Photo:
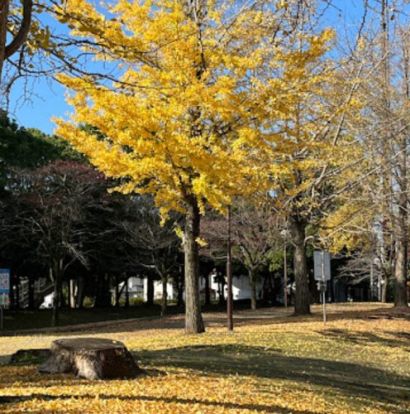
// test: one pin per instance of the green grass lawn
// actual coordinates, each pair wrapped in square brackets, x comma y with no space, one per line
[272,363]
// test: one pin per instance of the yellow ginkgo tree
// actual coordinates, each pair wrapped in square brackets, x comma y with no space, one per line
[192,116]
[176,122]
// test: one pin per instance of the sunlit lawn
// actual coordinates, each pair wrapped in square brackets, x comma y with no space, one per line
[272,363]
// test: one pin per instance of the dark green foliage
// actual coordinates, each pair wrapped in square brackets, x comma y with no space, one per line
[29,148]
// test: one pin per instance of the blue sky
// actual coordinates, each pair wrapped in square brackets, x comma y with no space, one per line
[47,98]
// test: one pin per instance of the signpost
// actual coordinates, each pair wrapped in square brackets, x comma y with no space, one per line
[321,261]
[4,292]
[229,299]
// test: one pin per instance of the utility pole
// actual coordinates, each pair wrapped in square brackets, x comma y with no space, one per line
[284,234]
[229,301]
[285,275]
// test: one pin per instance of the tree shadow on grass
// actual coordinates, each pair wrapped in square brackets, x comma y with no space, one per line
[399,339]
[274,409]
[352,380]
[370,385]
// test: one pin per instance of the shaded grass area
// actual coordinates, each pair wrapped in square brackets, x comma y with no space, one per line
[183,402]
[41,318]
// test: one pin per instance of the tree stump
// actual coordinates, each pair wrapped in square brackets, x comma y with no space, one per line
[91,358]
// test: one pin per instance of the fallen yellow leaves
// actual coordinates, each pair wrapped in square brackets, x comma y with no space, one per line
[266,366]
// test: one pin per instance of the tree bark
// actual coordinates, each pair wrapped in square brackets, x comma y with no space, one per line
[302,294]
[8,50]
[72,291]
[150,290]
[401,219]
[384,290]
[400,268]
[221,289]
[80,293]
[193,317]
[180,291]
[252,282]
[17,297]
[164,301]
[4,12]
[13,291]
[57,272]
[207,291]
[31,293]
[117,292]
[127,294]
[103,296]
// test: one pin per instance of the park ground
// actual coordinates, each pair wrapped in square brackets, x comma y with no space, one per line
[273,363]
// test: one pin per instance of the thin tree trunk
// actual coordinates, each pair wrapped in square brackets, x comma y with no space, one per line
[401,244]
[180,291]
[252,282]
[401,222]
[63,300]
[207,291]
[72,293]
[164,301]
[7,50]
[221,290]
[31,293]
[55,316]
[302,294]
[103,296]
[17,293]
[400,288]
[4,11]
[80,293]
[117,292]
[150,290]
[57,276]
[127,294]
[13,291]
[193,317]
[400,268]
[384,290]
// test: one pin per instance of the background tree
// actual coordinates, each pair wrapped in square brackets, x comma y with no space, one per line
[50,204]
[316,94]
[157,243]
[254,236]
[373,212]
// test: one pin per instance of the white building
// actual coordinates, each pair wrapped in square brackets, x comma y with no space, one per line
[241,288]
[138,288]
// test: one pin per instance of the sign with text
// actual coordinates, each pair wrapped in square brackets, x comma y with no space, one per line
[321,261]
[4,281]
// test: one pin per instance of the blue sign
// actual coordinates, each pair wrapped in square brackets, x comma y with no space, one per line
[4,281]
